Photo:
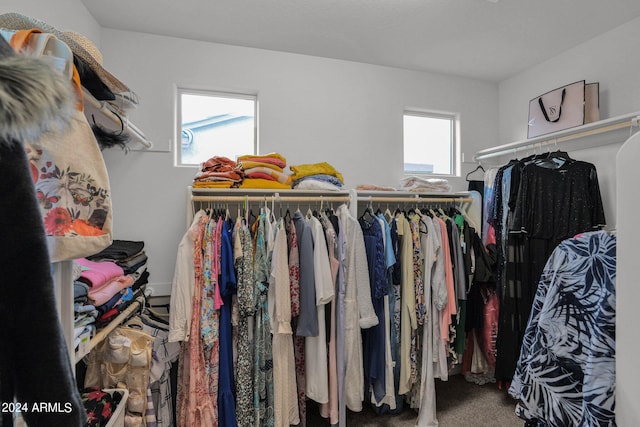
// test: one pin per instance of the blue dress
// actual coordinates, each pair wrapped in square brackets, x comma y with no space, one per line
[373,339]
[226,397]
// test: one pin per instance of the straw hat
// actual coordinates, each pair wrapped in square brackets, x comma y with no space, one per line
[81,46]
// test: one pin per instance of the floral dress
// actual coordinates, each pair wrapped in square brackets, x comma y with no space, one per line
[246,305]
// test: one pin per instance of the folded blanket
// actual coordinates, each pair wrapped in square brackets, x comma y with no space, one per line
[320,177]
[263,183]
[250,164]
[212,184]
[374,187]
[300,171]
[420,184]
[312,184]
[271,158]
[262,172]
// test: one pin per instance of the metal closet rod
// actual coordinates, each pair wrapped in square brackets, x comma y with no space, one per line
[417,199]
[271,198]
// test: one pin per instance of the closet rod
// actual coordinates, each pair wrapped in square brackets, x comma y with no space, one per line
[417,199]
[104,332]
[344,199]
[129,127]
[590,129]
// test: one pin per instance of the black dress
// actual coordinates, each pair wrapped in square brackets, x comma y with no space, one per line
[555,200]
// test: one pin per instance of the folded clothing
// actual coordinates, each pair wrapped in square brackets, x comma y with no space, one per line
[104,293]
[219,168]
[268,173]
[97,274]
[270,158]
[420,184]
[99,405]
[249,164]
[132,262]
[312,184]
[374,187]
[300,171]
[118,250]
[212,184]
[320,177]
[263,183]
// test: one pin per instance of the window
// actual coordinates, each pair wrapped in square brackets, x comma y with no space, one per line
[430,143]
[215,124]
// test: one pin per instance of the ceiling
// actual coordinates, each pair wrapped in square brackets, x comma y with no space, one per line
[484,39]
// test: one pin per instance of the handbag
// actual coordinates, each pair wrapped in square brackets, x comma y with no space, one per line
[68,170]
[569,106]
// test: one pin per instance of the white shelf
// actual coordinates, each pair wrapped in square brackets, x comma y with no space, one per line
[603,132]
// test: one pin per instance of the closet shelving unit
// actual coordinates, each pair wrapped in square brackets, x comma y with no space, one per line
[296,198]
[253,198]
[378,197]
[603,132]
[62,271]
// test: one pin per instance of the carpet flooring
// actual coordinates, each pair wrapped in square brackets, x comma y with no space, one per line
[458,404]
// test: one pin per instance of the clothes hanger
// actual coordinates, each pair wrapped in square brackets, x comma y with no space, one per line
[479,167]
[367,213]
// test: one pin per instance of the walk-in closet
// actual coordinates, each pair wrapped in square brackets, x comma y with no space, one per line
[318,213]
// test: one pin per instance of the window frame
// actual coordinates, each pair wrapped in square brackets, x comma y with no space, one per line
[455,140]
[212,93]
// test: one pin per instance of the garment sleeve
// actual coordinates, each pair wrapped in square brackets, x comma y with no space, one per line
[322,269]
[182,287]
[522,207]
[597,219]
[280,277]
[438,284]
[368,316]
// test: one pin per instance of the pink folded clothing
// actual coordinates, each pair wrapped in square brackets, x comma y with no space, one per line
[97,274]
[103,294]
[266,173]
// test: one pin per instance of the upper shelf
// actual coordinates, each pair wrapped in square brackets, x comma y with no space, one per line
[594,134]
[96,105]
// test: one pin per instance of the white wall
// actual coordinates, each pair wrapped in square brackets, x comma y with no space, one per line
[310,110]
[610,59]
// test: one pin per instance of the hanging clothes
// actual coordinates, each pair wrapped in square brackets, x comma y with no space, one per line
[298,341]
[330,410]
[247,301]
[263,358]
[427,395]
[228,286]
[358,308]
[566,371]
[373,339]
[557,197]
[408,322]
[195,405]
[316,362]
[284,374]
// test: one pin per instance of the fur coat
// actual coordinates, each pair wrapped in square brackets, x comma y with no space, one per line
[34,364]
